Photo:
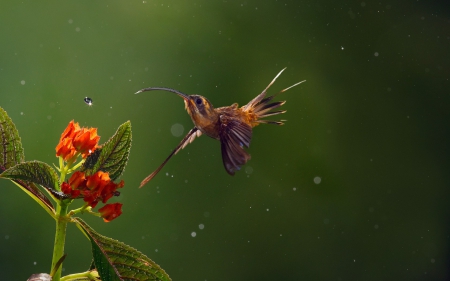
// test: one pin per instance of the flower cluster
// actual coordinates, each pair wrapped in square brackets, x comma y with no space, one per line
[94,188]
[75,141]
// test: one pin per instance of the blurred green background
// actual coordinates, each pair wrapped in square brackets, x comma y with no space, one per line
[353,187]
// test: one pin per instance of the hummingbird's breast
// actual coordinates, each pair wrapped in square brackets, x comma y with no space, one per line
[208,125]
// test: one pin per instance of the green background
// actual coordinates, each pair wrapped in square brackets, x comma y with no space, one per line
[372,122]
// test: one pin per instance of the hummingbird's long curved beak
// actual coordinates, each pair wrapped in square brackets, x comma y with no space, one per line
[184,96]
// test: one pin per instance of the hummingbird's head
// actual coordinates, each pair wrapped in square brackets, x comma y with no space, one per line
[197,106]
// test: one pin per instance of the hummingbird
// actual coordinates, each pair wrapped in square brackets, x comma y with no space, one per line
[231,125]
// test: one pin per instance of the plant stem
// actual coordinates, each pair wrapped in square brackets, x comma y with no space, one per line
[60,237]
[91,275]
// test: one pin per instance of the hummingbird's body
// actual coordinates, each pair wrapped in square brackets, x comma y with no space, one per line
[231,125]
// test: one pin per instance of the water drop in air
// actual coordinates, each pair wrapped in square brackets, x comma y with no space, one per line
[88,101]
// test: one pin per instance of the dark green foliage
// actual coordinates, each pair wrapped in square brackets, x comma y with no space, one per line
[112,157]
[11,150]
[34,171]
[115,260]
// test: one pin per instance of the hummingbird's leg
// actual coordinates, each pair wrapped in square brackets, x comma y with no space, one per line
[187,139]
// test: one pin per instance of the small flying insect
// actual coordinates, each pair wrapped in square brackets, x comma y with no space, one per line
[231,125]
[88,101]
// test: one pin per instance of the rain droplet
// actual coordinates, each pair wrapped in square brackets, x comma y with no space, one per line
[177,130]
[317,180]
[88,101]
[22,82]
[201,226]
[193,234]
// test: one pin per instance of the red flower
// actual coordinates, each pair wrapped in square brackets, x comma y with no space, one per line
[65,187]
[86,141]
[76,140]
[66,150]
[93,189]
[78,180]
[111,211]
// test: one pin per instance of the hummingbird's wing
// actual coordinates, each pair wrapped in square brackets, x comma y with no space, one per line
[234,135]
[190,139]
[194,132]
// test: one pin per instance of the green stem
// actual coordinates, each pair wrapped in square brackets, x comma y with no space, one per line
[91,275]
[84,208]
[78,165]
[60,237]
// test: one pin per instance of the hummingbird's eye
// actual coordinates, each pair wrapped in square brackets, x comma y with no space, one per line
[198,101]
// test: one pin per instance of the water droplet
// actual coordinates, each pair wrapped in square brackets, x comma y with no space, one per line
[317,180]
[177,130]
[193,234]
[201,226]
[22,82]
[88,101]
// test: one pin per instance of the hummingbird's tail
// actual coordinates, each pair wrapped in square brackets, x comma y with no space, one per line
[261,107]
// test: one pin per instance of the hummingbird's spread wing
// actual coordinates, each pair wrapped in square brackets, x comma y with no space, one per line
[186,140]
[234,135]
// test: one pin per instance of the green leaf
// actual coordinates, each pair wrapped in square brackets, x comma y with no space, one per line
[34,171]
[115,260]
[11,151]
[112,157]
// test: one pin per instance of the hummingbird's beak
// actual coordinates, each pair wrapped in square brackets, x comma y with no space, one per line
[184,96]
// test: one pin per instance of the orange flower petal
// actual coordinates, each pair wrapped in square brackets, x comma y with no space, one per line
[86,141]
[70,131]
[78,180]
[66,150]
[111,211]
